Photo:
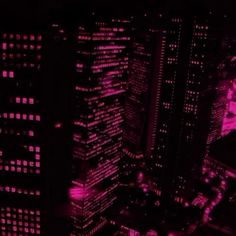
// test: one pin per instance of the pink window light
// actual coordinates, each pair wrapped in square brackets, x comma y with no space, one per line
[39,37]
[31,101]
[18,116]
[24,116]
[4,46]
[24,100]
[18,99]
[57,125]
[31,117]
[37,117]
[11,45]
[31,133]
[4,74]
[11,74]
[37,156]
[32,37]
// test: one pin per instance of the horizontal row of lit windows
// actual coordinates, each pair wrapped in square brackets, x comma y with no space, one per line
[177,20]
[18,190]
[24,100]
[25,170]
[20,116]
[9,74]
[12,131]
[26,163]
[25,65]
[114,29]
[30,37]
[103,38]
[201,27]
[18,221]
[110,47]
[22,56]
[18,46]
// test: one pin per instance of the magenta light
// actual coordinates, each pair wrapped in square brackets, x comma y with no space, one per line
[58,125]
[78,193]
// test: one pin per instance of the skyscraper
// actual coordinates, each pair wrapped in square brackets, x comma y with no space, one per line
[142,101]
[20,168]
[151,98]
[201,55]
[99,84]
[31,130]
[171,135]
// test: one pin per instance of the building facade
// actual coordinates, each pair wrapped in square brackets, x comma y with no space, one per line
[101,63]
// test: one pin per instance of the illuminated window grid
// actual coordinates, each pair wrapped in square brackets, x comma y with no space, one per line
[18,190]
[94,203]
[23,166]
[20,50]
[19,221]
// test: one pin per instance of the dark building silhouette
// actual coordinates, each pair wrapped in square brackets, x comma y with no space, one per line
[169,100]
[200,45]
[150,103]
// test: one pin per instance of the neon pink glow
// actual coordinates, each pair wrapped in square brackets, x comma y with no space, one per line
[58,125]
[229,121]
[32,37]
[78,193]
[4,46]
[4,74]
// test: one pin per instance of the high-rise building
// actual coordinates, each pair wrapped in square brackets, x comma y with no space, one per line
[99,84]
[142,101]
[20,166]
[169,101]
[32,129]
[161,162]
[150,102]
[222,113]
[228,69]
[201,57]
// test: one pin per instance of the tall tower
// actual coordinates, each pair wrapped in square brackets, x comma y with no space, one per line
[161,160]
[99,84]
[203,58]
[142,101]
[32,129]
[151,98]
[20,163]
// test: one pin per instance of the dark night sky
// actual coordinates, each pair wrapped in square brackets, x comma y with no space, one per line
[16,5]
[42,9]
